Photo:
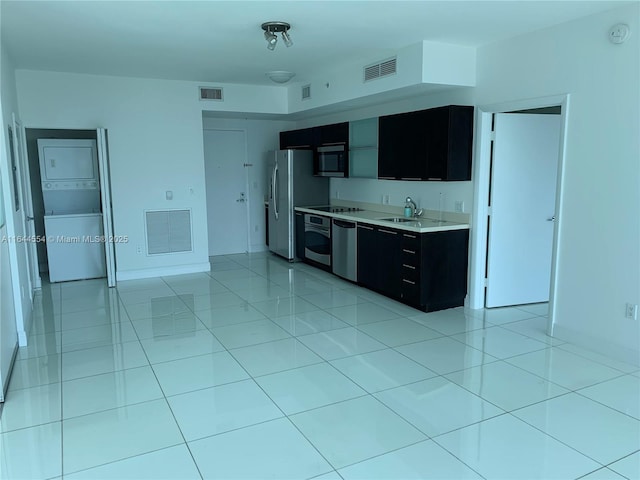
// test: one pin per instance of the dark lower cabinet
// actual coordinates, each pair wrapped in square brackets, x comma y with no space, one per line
[427,271]
[266,223]
[367,252]
[299,245]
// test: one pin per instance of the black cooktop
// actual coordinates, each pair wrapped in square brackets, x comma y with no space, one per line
[334,209]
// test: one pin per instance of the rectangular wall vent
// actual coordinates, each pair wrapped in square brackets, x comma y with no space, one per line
[168,231]
[211,93]
[381,69]
[306,92]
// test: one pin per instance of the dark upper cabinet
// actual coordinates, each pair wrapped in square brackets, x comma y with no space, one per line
[401,147]
[333,134]
[390,146]
[337,133]
[433,144]
[449,143]
[305,138]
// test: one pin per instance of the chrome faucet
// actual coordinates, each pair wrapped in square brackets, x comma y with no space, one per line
[416,212]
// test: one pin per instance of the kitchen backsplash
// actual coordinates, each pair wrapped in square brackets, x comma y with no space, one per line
[399,210]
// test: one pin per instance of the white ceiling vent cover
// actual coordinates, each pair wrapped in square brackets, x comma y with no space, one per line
[168,231]
[306,92]
[211,93]
[381,69]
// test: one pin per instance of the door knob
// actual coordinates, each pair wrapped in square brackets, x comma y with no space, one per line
[29,218]
[552,219]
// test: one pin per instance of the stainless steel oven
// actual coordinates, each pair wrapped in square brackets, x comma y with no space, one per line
[317,239]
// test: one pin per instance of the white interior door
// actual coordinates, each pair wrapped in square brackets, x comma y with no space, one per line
[523,208]
[226,182]
[20,274]
[20,142]
[105,198]
[8,324]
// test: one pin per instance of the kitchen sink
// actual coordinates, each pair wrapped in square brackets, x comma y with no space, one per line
[399,219]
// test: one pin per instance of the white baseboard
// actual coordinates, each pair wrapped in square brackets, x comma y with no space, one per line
[162,271]
[598,345]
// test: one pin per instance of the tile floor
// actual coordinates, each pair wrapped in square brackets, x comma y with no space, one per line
[261,369]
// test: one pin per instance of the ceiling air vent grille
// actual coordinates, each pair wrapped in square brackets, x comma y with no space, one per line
[306,92]
[381,69]
[168,231]
[211,93]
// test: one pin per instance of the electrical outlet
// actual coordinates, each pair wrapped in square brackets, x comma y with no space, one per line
[459,206]
[139,249]
[631,311]
[386,199]
[337,193]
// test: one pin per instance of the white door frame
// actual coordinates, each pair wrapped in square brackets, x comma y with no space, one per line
[105,197]
[481,175]
[105,193]
[35,281]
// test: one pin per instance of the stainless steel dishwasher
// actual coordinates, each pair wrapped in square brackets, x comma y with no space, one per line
[344,245]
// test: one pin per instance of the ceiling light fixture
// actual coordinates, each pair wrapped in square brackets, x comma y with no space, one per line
[270,30]
[280,76]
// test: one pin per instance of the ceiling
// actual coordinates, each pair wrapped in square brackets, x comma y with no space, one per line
[221,41]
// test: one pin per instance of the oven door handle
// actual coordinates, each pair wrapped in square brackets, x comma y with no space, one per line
[313,228]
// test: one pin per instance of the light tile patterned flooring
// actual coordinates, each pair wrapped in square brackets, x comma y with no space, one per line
[264,369]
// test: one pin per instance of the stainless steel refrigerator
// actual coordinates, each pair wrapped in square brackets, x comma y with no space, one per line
[291,184]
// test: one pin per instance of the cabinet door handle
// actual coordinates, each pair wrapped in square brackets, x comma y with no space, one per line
[387,178]
[365,227]
[434,178]
[387,231]
[412,252]
[408,281]
[411,178]
[409,266]
[408,236]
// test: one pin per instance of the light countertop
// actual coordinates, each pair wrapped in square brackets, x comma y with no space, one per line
[430,221]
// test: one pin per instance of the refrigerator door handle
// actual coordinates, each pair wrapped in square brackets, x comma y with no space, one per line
[274,190]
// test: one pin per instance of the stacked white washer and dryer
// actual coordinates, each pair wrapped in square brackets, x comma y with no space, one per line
[73,214]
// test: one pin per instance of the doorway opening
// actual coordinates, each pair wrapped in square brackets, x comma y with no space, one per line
[71,203]
[509,191]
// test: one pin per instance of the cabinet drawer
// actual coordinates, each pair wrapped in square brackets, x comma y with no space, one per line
[410,272]
[410,292]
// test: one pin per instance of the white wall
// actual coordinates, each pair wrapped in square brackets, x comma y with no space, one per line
[420,64]
[155,144]
[262,136]
[599,253]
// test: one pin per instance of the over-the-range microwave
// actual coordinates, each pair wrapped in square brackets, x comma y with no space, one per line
[331,160]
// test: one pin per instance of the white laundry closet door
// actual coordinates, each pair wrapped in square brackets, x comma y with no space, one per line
[523,208]
[226,182]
